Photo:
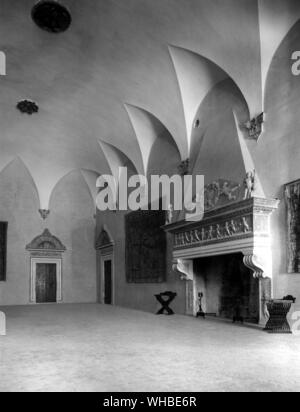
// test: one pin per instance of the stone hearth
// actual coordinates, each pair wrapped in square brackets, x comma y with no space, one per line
[227,286]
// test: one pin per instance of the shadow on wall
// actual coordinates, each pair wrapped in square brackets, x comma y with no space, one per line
[19,204]
[215,119]
[72,219]
[279,149]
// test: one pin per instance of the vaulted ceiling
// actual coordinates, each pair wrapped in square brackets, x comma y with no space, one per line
[126,73]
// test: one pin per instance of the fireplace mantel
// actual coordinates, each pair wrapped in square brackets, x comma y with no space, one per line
[242,226]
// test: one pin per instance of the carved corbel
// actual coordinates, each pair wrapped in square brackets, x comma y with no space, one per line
[252,262]
[184,267]
[44,213]
[184,168]
[255,126]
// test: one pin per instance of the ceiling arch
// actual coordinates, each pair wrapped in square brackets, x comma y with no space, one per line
[148,129]
[276,19]
[82,78]
[18,164]
[115,159]
[223,97]
[44,196]
[90,177]
[197,76]
[83,177]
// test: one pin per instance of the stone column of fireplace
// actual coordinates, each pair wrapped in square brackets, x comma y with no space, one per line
[242,226]
[185,269]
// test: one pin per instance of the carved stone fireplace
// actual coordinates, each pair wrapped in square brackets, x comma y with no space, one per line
[239,231]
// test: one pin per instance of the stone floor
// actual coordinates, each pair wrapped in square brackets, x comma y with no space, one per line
[102,348]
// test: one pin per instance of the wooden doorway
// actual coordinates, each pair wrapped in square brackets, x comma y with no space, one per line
[46,283]
[107,284]
[46,280]
[105,267]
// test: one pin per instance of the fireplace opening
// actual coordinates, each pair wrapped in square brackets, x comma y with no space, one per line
[229,289]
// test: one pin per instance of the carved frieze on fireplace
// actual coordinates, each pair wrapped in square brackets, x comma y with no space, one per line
[242,226]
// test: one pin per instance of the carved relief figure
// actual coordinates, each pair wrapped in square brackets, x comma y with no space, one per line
[220,192]
[197,235]
[246,227]
[249,183]
[188,237]
[229,192]
[210,233]
[227,229]
[212,192]
[218,231]
[170,213]
[233,227]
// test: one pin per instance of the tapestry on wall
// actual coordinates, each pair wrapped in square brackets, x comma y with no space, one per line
[3,239]
[145,247]
[292,198]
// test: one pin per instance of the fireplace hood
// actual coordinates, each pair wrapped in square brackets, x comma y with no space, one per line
[242,226]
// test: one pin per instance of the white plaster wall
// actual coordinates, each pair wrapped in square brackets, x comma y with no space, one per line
[19,207]
[71,220]
[278,154]
[139,296]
